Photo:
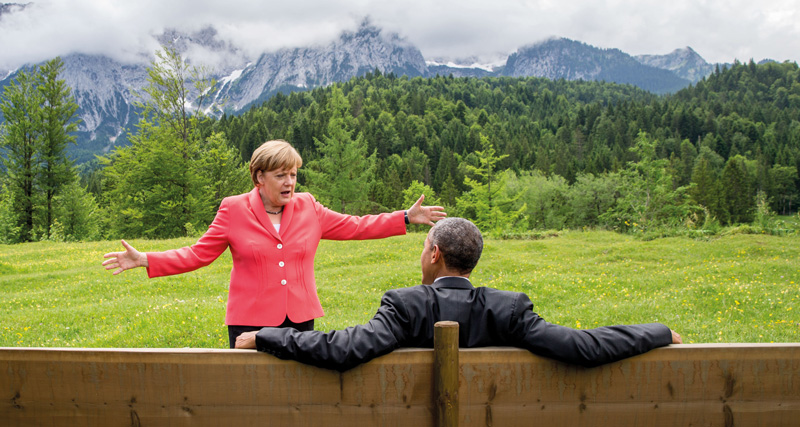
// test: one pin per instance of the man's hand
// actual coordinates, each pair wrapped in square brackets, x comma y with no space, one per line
[248,340]
[676,339]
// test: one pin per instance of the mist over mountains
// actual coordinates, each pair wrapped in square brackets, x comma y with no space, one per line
[105,88]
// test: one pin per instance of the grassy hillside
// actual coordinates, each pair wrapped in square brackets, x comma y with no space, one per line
[741,288]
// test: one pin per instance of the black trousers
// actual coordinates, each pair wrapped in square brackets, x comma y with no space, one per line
[236,330]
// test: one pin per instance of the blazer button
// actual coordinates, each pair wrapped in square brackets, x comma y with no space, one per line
[283,282]
[280,264]
[280,246]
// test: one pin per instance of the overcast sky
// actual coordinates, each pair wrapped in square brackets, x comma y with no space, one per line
[719,30]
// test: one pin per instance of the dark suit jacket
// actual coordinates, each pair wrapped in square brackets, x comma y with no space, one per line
[486,317]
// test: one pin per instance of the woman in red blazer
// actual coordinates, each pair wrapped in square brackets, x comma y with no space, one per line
[273,235]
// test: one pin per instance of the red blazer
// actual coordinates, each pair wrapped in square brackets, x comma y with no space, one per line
[273,273]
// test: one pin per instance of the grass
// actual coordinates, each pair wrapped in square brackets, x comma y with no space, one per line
[737,288]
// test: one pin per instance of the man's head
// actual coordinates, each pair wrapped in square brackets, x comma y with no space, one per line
[452,248]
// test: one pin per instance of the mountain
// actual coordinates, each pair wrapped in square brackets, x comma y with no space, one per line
[105,89]
[685,63]
[353,54]
[571,60]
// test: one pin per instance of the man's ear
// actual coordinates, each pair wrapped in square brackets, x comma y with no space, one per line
[436,254]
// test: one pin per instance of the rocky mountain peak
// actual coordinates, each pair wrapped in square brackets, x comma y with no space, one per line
[684,62]
[352,54]
[561,58]
[365,30]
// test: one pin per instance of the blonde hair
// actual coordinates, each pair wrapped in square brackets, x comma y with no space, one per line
[273,155]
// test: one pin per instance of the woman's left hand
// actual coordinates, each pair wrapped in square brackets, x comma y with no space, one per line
[419,214]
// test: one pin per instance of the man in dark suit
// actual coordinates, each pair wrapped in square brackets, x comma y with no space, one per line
[486,317]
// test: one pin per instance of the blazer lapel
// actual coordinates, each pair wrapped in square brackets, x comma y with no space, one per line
[258,208]
[288,214]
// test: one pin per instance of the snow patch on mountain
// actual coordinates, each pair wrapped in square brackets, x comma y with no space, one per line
[7,74]
[489,63]
[486,67]
[234,75]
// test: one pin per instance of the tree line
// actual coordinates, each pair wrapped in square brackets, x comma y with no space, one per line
[563,154]
[512,154]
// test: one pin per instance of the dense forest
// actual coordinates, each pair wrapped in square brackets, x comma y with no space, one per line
[745,119]
[512,154]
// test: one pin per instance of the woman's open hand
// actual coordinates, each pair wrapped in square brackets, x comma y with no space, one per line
[130,258]
[418,214]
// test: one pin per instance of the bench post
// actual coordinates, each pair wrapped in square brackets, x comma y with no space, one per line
[445,373]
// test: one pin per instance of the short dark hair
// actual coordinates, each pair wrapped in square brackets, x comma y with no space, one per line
[460,242]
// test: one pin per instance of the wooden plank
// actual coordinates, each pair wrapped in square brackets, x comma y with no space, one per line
[207,387]
[708,385]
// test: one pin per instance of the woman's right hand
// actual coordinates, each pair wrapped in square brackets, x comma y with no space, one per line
[122,261]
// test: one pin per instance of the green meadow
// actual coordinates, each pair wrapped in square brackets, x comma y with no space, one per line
[736,288]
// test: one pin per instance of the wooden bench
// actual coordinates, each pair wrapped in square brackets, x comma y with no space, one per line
[680,385]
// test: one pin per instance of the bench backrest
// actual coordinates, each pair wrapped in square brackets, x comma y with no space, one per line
[709,385]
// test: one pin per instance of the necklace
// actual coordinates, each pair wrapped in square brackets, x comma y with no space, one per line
[274,213]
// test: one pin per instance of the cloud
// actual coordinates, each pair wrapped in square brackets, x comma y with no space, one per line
[127,31]
[718,30]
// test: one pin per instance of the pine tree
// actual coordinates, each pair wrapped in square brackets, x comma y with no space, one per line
[21,107]
[705,191]
[738,201]
[687,160]
[76,214]
[9,228]
[57,123]
[449,192]
[388,188]
[647,198]
[221,169]
[345,172]
[487,202]
[784,193]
